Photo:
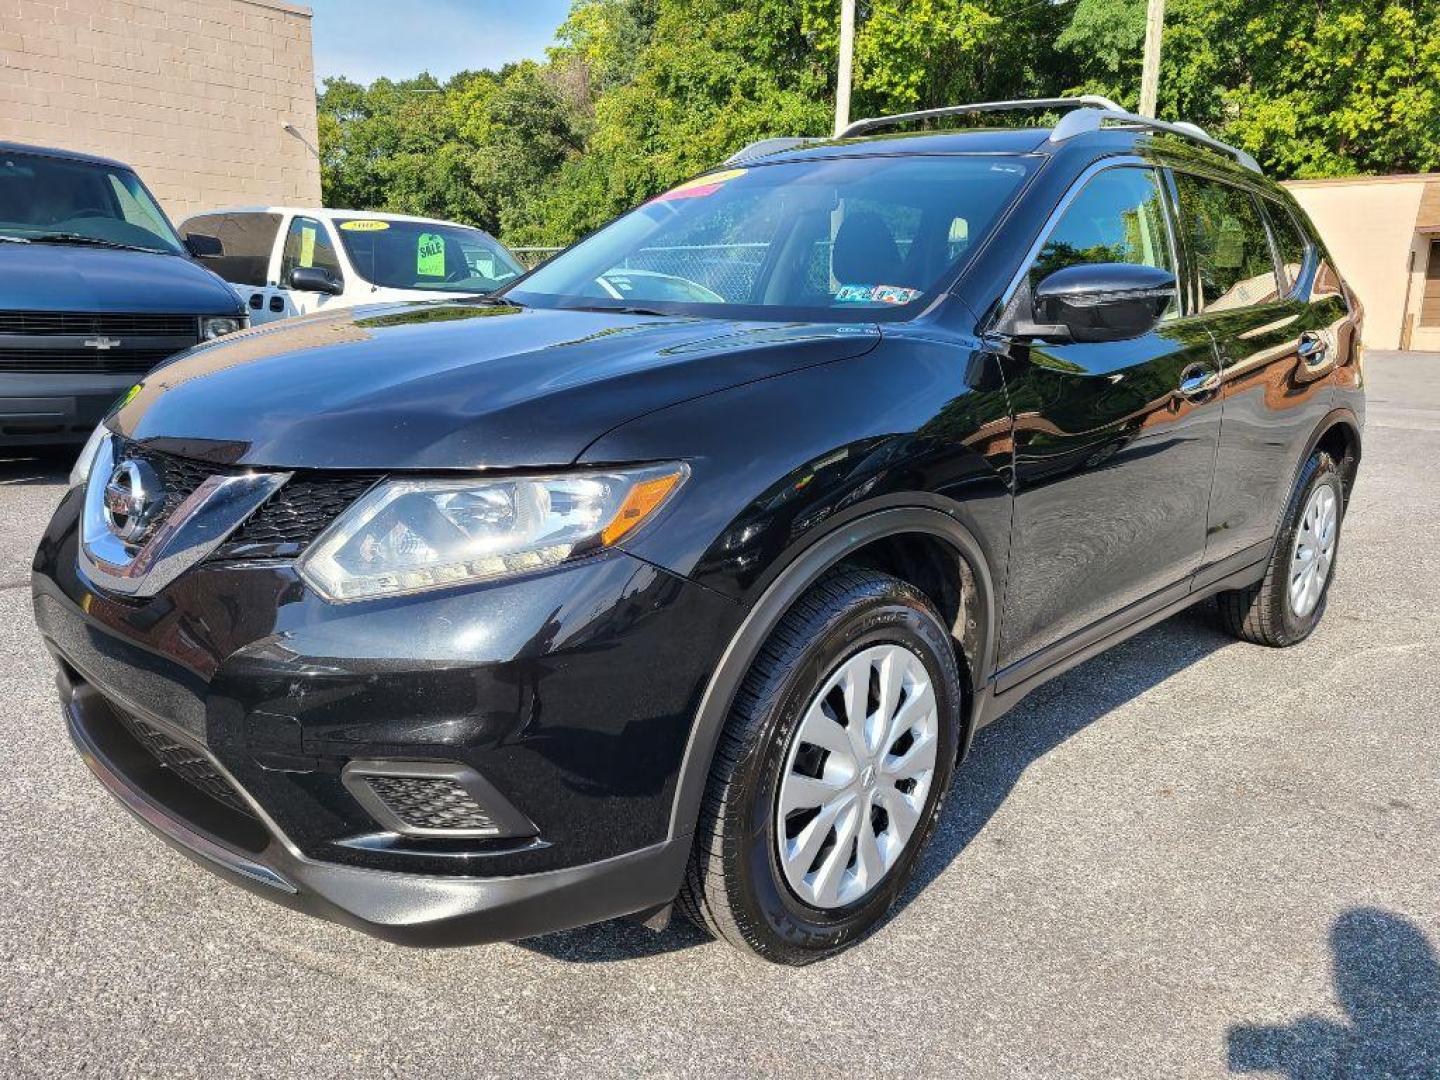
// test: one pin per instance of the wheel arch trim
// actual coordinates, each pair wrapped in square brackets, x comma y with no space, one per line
[1335,418]
[1340,418]
[797,575]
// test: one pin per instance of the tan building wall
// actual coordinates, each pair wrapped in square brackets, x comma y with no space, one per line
[193,93]
[1379,230]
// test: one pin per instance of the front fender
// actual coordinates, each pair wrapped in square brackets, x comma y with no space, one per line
[791,475]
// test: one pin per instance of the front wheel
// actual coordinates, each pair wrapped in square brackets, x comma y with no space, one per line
[1287,604]
[830,773]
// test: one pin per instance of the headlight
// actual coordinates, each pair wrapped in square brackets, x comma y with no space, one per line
[80,472]
[210,329]
[408,535]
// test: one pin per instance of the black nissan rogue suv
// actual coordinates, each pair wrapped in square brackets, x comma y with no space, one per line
[685,570]
[96,289]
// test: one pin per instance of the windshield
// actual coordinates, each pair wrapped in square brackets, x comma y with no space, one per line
[837,239]
[422,255]
[45,199]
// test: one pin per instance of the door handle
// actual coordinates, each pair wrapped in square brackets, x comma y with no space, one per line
[1197,380]
[1312,348]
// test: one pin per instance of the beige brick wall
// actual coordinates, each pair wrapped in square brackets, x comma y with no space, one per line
[193,93]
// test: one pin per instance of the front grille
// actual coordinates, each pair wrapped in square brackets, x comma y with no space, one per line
[100,322]
[431,802]
[179,477]
[301,510]
[283,526]
[113,362]
[189,764]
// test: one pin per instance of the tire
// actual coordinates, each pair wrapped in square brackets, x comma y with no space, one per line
[1266,613]
[737,886]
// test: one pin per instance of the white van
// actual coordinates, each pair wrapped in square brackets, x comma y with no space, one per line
[286,260]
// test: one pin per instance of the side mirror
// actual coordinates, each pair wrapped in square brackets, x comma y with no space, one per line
[204,247]
[315,279]
[1093,302]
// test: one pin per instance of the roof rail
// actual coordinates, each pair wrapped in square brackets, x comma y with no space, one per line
[1082,121]
[1093,101]
[1088,112]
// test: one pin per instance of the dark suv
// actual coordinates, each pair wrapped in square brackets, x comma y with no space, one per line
[686,570]
[96,289]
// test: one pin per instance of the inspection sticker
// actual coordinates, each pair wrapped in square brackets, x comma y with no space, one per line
[894,294]
[875,294]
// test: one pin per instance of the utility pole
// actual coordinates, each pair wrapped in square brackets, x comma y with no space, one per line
[1150,72]
[847,59]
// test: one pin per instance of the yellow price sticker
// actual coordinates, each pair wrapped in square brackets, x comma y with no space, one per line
[364,226]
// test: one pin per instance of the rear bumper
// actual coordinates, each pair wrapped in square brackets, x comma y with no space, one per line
[408,909]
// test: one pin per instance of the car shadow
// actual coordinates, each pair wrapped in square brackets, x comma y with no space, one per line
[998,758]
[1387,981]
[24,465]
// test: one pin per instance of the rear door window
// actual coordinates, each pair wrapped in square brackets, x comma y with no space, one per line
[247,241]
[1228,243]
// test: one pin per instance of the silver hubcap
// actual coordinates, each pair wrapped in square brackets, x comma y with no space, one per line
[1314,550]
[857,775]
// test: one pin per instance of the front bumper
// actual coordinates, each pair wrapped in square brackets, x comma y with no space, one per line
[570,692]
[409,909]
[56,407]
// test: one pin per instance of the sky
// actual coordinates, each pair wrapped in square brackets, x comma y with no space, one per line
[365,39]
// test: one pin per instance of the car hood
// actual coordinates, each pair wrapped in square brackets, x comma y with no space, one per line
[62,277]
[453,385]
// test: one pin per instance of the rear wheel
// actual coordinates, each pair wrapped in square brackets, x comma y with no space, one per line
[830,773]
[1287,604]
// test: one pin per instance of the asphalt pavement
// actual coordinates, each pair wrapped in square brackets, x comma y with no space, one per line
[1187,857]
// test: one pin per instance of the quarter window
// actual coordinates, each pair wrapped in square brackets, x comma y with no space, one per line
[1227,239]
[308,244]
[1118,217]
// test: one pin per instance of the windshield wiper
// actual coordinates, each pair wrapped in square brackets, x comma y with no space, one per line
[92,241]
[494,299]
[618,309]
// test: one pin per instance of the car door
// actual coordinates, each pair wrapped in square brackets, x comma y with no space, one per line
[308,243]
[247,240]
[1279,329]
[1114,442]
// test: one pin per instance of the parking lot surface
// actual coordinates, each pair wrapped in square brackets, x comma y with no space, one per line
[1189,856]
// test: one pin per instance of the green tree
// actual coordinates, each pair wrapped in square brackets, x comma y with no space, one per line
[1309,89]
[638,95]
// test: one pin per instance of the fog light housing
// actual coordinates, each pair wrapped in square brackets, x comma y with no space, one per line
[441,799]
